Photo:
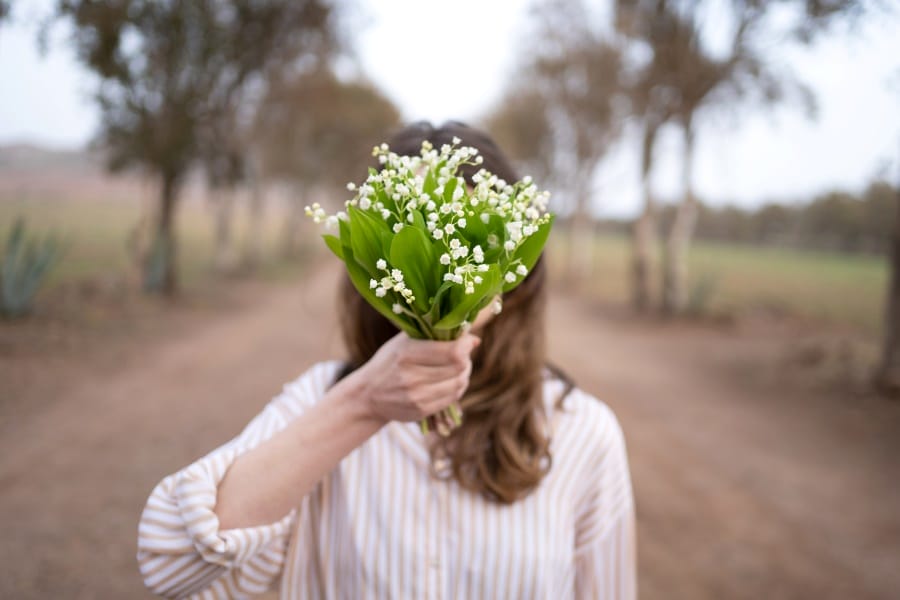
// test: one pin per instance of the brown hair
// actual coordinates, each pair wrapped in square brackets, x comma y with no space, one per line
[502,448]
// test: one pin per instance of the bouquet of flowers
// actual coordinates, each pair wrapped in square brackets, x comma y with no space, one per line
[427,251]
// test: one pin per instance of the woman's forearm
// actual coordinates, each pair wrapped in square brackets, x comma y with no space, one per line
[265,483]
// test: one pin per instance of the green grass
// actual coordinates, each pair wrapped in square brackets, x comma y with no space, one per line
[830,287]
[97,237]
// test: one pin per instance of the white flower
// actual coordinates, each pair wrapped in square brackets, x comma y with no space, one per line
[456,140]
[381,264]
[397,275]
[461,223]
[380,292]
[437,233]
[432,216]
[483,268]
[449,228]
[365,203]
[445,259]
[397,308]
[373,284]
[454,243]
[485,218]
[385,214]
[410,218]
[470,289]
[351,186]
[331,222]
[477,279]
[509,245]
[497,306]
[397,227]
[521,270]
[510,277]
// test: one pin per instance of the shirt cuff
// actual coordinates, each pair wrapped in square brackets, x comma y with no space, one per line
[195,496]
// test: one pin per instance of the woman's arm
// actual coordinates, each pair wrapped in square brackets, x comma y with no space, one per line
[406,380]
[224,520]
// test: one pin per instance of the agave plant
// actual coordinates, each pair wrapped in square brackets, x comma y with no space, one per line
[23,269]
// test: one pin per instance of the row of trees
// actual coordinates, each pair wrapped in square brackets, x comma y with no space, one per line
[836,221]
[647,64]
[242,89]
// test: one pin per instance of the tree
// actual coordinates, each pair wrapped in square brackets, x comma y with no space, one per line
[520,123]
[564,103]
[316,132]
[686,75]
[169,69]
[887,376]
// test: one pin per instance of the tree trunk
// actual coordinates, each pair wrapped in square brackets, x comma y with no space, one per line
[290,235]
[887,376]
[675,269]
[225,257]
[160,267]
[644,238]
[581,241]
[253,241]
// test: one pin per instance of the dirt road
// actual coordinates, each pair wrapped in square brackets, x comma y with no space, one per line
[745,488]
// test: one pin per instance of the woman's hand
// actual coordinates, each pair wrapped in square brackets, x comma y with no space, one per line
[408,380]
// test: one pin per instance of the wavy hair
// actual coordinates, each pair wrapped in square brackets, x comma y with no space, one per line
[501,450]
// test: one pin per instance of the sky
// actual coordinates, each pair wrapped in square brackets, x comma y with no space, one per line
[440,64]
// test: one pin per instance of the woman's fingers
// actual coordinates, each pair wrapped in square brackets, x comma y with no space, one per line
[432,353]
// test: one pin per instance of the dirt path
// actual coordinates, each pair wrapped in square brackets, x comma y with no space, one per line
[744,490]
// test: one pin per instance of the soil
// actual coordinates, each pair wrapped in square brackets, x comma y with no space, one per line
[753,478]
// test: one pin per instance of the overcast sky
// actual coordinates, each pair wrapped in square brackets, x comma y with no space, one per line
[410,46]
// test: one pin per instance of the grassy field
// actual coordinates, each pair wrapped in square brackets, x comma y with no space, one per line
[834,288]
[97,234]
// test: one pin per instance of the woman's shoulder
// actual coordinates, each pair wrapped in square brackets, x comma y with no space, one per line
[308,388]
[580,414]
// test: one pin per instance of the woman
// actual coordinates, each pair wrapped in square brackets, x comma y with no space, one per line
[333,491]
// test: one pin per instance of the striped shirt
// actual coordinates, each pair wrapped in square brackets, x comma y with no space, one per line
[381,525]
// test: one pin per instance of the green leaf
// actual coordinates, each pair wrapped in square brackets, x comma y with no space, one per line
[360,280]
[334,244]
[365,240]
[412,253]
[344,231]
[476,231]
[430,183]
[529,251]
[464,305]
[449,187]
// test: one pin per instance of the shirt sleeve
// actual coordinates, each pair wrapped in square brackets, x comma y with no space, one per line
[182,552]
[605,540]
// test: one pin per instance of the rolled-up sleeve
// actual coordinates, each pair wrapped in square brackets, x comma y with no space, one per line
[605,543]
[182,551]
